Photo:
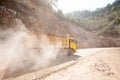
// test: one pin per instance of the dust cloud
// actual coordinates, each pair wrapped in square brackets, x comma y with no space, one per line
[21,52]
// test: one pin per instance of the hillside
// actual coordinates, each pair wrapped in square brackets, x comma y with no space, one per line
[103,21]
[38,17]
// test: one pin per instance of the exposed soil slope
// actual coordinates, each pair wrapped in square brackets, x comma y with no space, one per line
[38,17]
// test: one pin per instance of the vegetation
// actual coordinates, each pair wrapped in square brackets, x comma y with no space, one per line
[102,20]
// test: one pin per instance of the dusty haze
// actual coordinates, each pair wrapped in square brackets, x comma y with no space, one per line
[16,57]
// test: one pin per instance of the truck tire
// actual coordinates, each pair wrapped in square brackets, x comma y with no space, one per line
[71,51]
[68,51]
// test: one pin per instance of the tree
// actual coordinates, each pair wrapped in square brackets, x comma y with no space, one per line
[53,2]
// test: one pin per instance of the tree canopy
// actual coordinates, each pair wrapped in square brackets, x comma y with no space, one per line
[102,20]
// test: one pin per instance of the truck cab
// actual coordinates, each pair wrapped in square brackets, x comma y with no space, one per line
[73,44]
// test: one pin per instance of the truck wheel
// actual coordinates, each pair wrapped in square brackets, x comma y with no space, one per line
[71,51]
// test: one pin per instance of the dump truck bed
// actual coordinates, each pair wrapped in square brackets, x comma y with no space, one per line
[62,40]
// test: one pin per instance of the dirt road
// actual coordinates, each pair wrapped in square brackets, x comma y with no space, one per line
[95,64]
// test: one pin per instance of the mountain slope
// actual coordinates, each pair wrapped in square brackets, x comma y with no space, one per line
[38,17]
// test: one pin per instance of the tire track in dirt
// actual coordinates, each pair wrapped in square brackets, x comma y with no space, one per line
[40,75]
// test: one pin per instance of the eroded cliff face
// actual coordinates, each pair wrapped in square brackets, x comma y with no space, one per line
[38,17]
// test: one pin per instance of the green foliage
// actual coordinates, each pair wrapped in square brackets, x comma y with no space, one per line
[102,20]
[53,2]
[59,14]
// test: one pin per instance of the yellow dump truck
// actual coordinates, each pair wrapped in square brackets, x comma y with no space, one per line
[68,43]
